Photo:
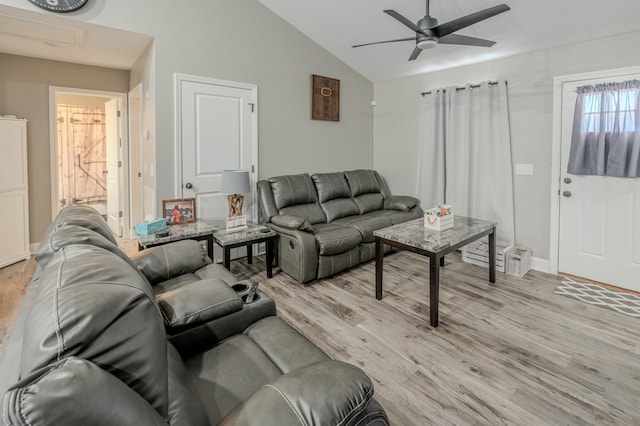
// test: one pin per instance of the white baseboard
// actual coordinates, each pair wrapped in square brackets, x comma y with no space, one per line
[542,265]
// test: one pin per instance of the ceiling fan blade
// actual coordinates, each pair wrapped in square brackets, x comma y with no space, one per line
[463,22]
[416,52]
[466,41]
[403,20]
[388,41]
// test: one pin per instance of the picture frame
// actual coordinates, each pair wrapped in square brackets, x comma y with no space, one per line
[325,98]
[179,210]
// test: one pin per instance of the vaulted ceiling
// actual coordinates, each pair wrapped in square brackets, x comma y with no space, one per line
[530,25]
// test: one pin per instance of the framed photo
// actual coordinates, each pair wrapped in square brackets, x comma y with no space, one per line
[325,98]
[179,210]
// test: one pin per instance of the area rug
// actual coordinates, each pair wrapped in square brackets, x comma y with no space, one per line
[593,294]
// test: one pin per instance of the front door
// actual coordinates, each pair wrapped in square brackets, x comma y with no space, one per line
[218,132]
[599,233]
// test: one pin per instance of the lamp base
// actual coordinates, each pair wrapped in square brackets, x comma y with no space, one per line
[235,205]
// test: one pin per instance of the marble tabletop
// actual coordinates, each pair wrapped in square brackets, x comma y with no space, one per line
[414,234]
[252,232]
[179,232]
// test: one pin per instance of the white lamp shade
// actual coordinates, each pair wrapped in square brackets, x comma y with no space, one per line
[235,182]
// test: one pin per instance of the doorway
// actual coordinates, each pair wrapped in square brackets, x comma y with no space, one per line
[89,154]
[598,217]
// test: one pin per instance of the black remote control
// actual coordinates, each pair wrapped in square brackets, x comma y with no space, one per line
[252,292]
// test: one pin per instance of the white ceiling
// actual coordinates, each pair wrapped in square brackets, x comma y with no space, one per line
[50,36]
[530,25]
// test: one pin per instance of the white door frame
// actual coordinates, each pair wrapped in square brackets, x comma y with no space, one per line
[178,79]
[135,136]
[53,148]
[556,163]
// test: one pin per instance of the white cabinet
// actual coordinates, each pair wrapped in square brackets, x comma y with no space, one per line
[14,193]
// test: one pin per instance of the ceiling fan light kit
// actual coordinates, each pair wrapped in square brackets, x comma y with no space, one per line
[429,33]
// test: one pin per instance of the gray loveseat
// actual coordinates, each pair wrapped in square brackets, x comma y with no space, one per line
[165,338]
[326,221]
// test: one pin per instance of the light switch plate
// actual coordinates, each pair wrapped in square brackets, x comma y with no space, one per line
[524,169]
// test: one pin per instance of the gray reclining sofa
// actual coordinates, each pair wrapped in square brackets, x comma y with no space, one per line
[325,221]
[165,338]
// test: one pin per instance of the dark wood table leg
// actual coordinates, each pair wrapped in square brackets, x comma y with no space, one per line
[270,253]
[379,257]
[434,288]
[442,261]
[210,246]
[227,258]
[250,254]
[492,256]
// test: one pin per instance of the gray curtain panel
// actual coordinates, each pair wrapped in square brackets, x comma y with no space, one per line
[606,130]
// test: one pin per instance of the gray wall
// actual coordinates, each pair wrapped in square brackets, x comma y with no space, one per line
[242,41]
[530,87]
[24,92]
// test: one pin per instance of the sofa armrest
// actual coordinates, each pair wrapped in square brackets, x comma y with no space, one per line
[170,260]
[402,203]
[292,222]
[197,302]
[297,253]
[327,392]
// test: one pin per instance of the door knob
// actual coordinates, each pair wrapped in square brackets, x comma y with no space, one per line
[567,180]
[188,185]
[567,194]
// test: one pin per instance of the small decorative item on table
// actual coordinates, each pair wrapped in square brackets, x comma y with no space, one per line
[150,226]
[179,210]
[439,218]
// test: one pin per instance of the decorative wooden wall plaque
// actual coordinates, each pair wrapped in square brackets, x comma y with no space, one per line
[325,98]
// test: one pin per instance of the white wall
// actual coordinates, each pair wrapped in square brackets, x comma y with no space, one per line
[530,81]
[241,40]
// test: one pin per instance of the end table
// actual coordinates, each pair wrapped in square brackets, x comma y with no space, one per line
[253,234]
[199,231]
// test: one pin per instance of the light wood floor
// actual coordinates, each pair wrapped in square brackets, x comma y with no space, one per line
[508,353]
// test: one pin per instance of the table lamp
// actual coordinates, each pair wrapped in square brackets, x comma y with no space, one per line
[234,184]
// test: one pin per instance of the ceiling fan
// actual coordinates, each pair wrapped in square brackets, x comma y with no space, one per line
[429,33]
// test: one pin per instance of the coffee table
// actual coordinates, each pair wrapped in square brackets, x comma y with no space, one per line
[413,236]
[199,231]
[253,234]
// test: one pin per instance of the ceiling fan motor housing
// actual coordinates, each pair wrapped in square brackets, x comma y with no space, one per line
[427,39]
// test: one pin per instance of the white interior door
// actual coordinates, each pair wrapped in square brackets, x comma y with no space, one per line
[599,232]
[114,163]
[218,131]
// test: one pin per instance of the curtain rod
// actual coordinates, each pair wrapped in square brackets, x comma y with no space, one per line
[473,86]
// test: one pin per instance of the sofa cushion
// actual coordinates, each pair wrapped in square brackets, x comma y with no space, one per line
[369,202]
[331,186]
[334,239]
[68,234]
[365,225]
[293,189]
[272,334]
[84,216]
[169,260]
[340,207]
[74,391]
[185,405]
[292,222]
[94,305]
[325,393]
[312,212]
[362,182]
[197,302]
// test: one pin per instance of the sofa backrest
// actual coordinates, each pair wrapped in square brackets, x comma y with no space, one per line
[296,195]
[93,305]
[334,195]
[366,190]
